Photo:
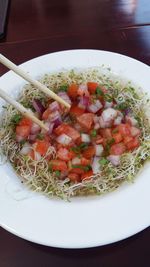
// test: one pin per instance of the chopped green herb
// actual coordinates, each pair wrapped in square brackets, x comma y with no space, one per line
[103,161]
[99,92]
[77,149]
[111,141]
[115,131]
[63,88]
[93,133]
[83,146]
[40,136]
[57,173]
[85,168]
[121,106]
[108,98]
[22,142]
[16,118]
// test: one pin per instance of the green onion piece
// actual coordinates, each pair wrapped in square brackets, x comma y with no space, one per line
[115,131]
[57,173]
[40,136]
[103,161]
[16,118]
[22,142]
[93,133]
[63,88]
[99,92]
[85,168]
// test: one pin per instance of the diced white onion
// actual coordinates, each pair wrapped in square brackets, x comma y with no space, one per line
[85,138]
[104,124]
[118,120]
[96,126]
[37,155]
[95,106]
[76,160]
[54,106]
[131,120]
[108,104]
[109,114]
[65,97]
[63,139]
[99,150]
[114,159]
[35,128]
[96,165]
[25,149]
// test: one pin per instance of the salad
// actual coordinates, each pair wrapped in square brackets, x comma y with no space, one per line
[102,141]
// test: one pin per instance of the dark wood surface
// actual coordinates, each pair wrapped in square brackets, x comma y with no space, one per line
[36,27]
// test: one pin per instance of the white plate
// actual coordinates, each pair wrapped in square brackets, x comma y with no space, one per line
[83,222]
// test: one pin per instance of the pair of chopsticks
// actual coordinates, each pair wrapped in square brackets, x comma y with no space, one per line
[10,65]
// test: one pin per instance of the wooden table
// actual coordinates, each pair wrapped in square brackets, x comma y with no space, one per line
[37,27]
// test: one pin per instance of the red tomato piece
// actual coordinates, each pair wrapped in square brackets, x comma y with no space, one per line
[85,161]
[92,87]
[106,133]
[124,129]
[99,139]
[86,175]
[77,111]
[23,130]
[58,165]
[133,144]
[25,121]
[73,90]
[127,139]
[46,114]
[41,146]
[89,152]
[74,177]
[118,137]
[86,120]
[117,149]
[77,171]
[65,154]
[67,129]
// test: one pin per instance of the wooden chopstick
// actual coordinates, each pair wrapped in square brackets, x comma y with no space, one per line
[22,109]
[10,65]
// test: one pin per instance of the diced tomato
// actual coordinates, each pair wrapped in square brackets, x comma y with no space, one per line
[92,87]
[25,121]
[133,144]
[74,177]
[79,141]
[77,111]
[86,120]
[127,139]
[124,129]
[99,139]
[87,175]
[46,114]
[67,129]
[106,133]
[117,137]
[58,165]
[89,152]
[23,130]
[41,146]
[65,154]
[85,161]
[117,149]
[72,90]
[77,170]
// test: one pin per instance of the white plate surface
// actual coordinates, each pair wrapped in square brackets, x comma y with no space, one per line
[83,222]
